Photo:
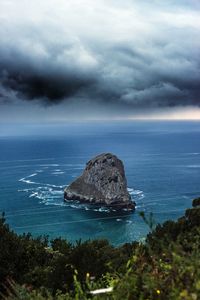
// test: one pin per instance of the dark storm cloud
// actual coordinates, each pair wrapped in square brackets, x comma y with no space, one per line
[50,87]
[131,55]
[32,79]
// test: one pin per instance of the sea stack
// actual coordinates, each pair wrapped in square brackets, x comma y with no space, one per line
[103,182]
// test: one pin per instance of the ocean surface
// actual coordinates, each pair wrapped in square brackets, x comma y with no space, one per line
[162,164]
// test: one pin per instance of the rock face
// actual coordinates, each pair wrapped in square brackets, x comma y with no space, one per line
[103,182]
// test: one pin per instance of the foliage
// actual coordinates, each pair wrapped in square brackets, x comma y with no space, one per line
[196,202]
[166,266]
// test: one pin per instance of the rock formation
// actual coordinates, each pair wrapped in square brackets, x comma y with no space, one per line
[103,182]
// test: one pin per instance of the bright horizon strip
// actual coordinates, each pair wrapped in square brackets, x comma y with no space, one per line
[189,114]
[182,114]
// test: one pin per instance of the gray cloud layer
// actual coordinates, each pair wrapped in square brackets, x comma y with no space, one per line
[119,53]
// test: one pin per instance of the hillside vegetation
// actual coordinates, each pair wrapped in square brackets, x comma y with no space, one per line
[166,266]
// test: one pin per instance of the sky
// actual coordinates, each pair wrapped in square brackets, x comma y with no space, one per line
[99,59]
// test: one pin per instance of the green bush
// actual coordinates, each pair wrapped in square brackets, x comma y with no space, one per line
[196,202]
[166,266]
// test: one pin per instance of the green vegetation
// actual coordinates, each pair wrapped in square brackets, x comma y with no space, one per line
[166,266]
[196,202]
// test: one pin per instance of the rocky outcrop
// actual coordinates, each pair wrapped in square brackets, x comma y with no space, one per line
[103,182]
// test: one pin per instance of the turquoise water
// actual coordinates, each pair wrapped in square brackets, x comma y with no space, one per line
[162,163]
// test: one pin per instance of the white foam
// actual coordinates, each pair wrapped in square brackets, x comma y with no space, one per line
[193,153]
[22,179]
[51,194]
[25,180]
[28,181]
[193,166]
[129,222]
[134,192]
[49,165]
[55,204]
[55,192]
[75,206]
[53,185]
[41,197]
[102,209]
[32,175]
[57,173]
[25,190]
[138,206]
[33,195]
[73,165]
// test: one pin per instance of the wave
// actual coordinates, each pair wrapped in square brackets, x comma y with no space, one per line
[33,195]
[52,194]
[32,175]
[25,180]
[28,181]
[129,221]
[25,190]
[58,173]
[193,166]
[49,165]
[136,195]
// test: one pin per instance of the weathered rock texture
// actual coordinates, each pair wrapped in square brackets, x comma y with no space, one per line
[102,182]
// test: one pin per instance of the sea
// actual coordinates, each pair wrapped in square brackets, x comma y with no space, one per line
[37,161]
